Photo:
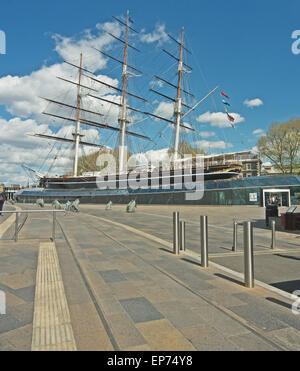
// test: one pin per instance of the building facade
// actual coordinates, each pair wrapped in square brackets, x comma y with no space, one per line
[251,163]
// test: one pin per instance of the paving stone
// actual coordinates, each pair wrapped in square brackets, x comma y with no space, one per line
[113,275]
[12,300]
[179,314]
[155,294]
[18,339]
[111,306]
[88,329]
[141,310]
[136,276]
[163,336]
[124,331]
[252,342]
[288,336]
[207,338]
[23,313]
[263,320]
[17,281]
[86,246]
[8,323]
[141,251]
[97,258]
[124,290]
[225,324]
[26,293]
[268,305]
[5,345]
[138,348]
[221,296]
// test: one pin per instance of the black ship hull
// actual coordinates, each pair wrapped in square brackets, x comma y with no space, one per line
[88,189]
[146,180]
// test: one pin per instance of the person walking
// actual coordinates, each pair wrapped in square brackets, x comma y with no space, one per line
[3,198]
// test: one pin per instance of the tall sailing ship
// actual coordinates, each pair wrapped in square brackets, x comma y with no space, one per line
[85,184]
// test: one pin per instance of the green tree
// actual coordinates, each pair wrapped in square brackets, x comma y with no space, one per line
[281,145]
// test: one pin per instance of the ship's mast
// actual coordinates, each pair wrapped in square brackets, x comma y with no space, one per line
[177,110]
[123,109]
[77,134]
[179,104]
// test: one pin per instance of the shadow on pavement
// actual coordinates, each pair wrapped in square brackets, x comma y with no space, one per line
[289,286]
[288,256]
[279,302]
[229,279]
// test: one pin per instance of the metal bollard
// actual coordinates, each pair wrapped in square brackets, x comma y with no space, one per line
[16,227]
[204,241]
[53,226]
[234,245]
[273,226]
[182,235]
[176,233]
[248,255]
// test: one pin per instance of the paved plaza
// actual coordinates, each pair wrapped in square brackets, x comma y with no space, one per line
[112,282]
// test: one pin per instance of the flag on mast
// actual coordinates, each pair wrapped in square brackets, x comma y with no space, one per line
[224,95]
[227,104]
[231,118]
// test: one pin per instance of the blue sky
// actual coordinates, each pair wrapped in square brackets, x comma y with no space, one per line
[244,47]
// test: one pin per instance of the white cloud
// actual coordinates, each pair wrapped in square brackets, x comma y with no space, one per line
[69,48]
[253,102]
[206,134]
[153,156]
[20,96]
[258,132]
[164,109]
[208,145]
[219,119]
[159,35]
[17,148]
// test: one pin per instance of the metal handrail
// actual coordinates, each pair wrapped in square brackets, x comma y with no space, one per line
[31,211]
[17,212]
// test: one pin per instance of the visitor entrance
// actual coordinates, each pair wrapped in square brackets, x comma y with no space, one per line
[280,196]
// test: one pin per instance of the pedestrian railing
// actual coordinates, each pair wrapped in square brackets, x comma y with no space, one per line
[18,212]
